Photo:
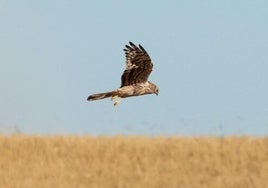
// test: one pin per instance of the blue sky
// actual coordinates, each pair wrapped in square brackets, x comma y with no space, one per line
[210,63]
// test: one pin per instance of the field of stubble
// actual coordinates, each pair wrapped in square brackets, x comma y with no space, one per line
[85,161]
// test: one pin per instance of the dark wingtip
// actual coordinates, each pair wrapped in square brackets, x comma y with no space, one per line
[140,46]
[132,44]
[89,97]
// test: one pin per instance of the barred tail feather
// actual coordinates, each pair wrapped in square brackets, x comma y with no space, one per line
[99,96]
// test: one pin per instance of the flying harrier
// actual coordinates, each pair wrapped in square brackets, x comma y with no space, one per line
[134,81]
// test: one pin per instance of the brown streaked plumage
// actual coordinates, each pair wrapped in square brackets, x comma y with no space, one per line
[134,80]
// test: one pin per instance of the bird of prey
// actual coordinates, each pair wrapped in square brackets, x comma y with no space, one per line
[134,80]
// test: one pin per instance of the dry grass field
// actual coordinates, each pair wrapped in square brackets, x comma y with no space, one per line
[162,162]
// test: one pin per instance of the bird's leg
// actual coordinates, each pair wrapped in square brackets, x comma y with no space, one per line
[116,100]
[114,97]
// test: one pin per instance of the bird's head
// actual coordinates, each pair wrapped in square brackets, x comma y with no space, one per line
[154,88]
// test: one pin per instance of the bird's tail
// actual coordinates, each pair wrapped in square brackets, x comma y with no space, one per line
[99,96]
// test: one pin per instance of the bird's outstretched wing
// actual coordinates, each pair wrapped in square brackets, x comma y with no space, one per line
[138,65]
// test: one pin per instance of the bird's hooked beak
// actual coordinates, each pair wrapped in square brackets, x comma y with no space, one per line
[156,92]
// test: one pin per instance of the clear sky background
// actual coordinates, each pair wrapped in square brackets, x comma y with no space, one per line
[210,63]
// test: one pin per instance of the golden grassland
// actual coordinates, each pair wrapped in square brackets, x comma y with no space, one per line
[121,161]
